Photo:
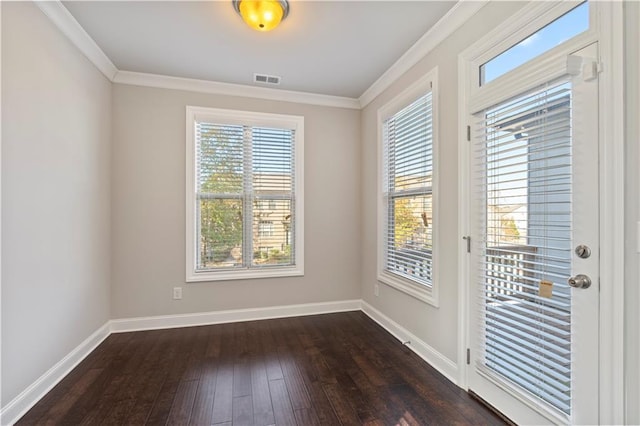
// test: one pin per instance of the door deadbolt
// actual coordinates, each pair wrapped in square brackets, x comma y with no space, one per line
[580,281]
[583,251]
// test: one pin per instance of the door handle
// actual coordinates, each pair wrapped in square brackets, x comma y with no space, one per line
[580,281]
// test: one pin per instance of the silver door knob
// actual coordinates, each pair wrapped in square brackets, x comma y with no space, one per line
[580,281]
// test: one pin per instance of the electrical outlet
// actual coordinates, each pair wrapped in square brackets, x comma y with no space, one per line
[177,293]
[376,289]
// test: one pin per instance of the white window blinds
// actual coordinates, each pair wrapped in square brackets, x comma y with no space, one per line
[408,194]
[524,152]
[245,193]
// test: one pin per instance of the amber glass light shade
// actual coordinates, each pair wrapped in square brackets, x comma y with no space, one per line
[262,15]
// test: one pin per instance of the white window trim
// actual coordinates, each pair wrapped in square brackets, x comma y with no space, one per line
[606,27]
[529,20]
[253,119]
[429,295]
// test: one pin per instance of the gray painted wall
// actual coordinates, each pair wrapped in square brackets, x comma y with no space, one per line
[435,326]
[632,213]
[148,193]
[56,132]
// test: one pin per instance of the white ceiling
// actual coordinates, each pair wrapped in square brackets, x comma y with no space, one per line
[335,48]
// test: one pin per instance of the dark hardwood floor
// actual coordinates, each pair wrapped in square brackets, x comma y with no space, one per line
[317,370]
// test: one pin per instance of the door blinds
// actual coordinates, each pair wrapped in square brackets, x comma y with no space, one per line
[408,180]
[523,153]
[245,196]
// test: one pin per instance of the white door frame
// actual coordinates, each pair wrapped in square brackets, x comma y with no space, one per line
[608,29]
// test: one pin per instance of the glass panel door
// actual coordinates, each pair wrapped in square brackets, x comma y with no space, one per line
[535,171]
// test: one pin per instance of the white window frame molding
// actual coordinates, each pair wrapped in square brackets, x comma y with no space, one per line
[429,295]
[247,118]
[607,28]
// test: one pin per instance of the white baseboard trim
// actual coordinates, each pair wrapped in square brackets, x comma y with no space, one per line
[235,315]
[438,361]
[22,403]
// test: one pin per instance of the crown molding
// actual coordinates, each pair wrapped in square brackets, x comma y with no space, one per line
[68,25]
[218,88]
[450,22]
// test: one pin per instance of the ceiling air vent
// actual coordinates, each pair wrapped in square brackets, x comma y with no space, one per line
[266,79]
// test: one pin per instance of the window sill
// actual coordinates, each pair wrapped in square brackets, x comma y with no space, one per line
[243,274]
[413,289]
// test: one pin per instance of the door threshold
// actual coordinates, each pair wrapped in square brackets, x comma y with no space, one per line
[493,409]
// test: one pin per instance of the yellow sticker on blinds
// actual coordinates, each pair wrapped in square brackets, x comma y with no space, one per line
[545,289]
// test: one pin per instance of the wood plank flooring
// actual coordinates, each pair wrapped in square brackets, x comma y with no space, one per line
[316,370]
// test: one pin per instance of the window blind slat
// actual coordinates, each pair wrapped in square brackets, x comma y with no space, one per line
[552,131]
[511,339]
[407,180]
[541,341]
[553,384]
[523,152]
[521,375]
[531,360]
[554,326]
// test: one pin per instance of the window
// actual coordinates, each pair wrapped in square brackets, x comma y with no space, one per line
[265,229]
[562,29]
[527,205]
[407,196]
[244,195]
[527,190]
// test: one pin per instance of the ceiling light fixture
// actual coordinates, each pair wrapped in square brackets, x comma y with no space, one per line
[262,15]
